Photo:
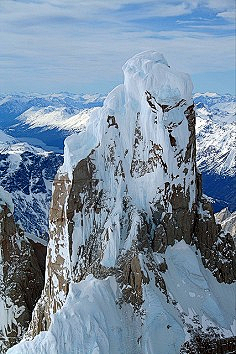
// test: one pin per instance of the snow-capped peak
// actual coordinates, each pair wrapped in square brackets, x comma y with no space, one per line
[129,225]
[206,94]
[149,71]
[61,118]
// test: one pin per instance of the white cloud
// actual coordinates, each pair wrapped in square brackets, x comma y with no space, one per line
[219,5]
[229,15]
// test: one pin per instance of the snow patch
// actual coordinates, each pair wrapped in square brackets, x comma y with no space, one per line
[6,199]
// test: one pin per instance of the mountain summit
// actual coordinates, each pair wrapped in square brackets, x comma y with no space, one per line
[136,262]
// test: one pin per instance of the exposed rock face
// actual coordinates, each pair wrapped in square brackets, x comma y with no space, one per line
[127,205]
[227,220]
[209,345]
[217,248]
[21,280]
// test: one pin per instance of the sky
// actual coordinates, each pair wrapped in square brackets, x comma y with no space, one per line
[80,45]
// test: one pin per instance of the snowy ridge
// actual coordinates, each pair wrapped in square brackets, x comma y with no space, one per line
[59,118]
[216,147]
[209,99]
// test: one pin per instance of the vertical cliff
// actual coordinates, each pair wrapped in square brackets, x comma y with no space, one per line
[21,279]
[131,235]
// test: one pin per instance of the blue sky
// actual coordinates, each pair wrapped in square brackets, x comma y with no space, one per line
[81,45]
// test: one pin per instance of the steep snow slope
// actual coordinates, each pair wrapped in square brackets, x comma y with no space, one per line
[91,322]
[135,262]
[27,173]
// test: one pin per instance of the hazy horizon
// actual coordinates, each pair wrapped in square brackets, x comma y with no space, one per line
[49,46]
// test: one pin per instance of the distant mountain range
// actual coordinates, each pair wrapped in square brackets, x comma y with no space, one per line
[27,172]
[216,133]
[31,144]
[44,120]
[216,137]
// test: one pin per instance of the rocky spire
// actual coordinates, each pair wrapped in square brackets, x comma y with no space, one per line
[127,204]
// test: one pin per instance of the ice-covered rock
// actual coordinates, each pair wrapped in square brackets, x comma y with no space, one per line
[227,220]
[21,276]
[136,262]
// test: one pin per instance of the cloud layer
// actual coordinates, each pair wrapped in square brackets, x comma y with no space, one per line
[48,45]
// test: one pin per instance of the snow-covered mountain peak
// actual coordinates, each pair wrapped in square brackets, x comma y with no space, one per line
[207,94]
[210,99]
[149,72]
[143,105]
[61,118]
[129,223]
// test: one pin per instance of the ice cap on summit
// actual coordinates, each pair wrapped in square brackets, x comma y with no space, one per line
[150,71]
